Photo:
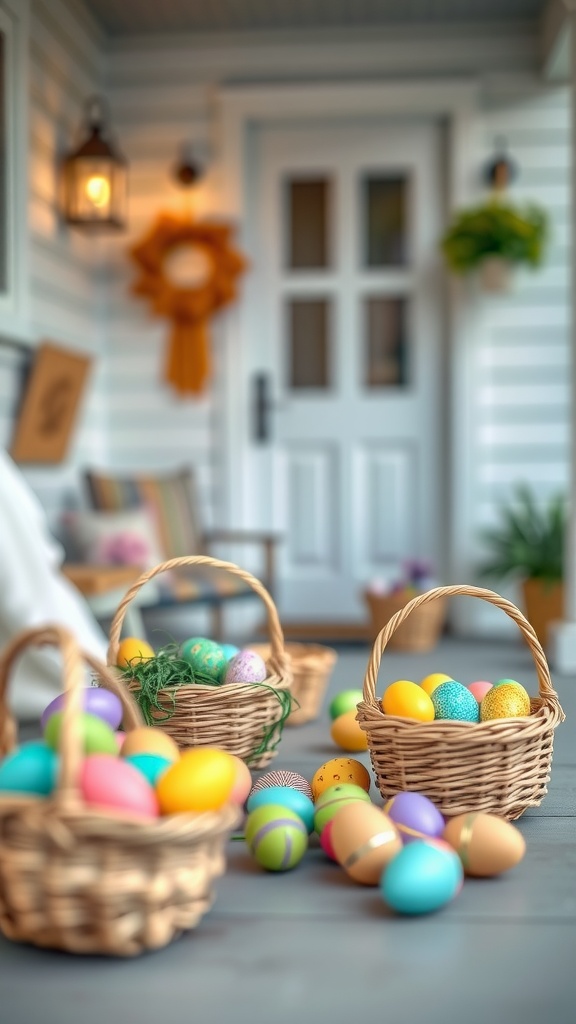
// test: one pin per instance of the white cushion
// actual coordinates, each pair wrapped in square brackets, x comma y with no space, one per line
[113,538]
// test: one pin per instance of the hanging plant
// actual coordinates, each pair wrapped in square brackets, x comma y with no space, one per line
[496,230]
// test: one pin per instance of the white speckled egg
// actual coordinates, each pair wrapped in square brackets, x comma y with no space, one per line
[246,667]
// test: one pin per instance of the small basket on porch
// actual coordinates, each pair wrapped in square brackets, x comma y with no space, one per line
[312,666]
[246,719]
[420,632]
[77,878]
[500,766]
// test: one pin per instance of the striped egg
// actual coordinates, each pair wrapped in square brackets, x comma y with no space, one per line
[278,777]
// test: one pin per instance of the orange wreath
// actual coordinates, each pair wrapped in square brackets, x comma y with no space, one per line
[188,365]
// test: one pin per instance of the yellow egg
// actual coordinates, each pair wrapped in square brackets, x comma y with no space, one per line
[364,840]
[429,683]
[408,700]
[339,770]
[131,651]
[202,780]
[346,732]
[149,740]
[510,700]
[486,844]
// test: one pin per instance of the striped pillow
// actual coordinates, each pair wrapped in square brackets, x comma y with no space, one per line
[171,498]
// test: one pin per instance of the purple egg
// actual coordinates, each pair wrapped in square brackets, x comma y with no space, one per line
[96,701]
[415,816]
[246,667]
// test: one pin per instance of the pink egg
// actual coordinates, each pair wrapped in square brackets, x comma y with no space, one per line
[479,689]
[326,840]
[246,667]
[242,783]
[120,737]
[110,783]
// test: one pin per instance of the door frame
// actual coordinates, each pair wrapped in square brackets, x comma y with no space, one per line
[452,101]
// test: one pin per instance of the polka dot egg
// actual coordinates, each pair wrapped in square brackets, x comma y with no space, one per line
[246,667]
[453,701]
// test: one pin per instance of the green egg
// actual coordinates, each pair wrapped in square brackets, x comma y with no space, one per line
[97,736]
[345,701]
[508,682]
[276,836]
[333,799]
[205,657]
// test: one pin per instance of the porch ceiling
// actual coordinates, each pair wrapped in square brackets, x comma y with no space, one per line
[134,17]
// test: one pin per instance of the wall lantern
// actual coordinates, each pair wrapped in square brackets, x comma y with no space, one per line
[95,177]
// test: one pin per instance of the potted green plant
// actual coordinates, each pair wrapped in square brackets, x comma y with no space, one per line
[528,544]
[494,237]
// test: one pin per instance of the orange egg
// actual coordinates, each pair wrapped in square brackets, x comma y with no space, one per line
[201,780]
[408,700]
[486,844]
[347,733]
[429,683]
[131,651]
[364,840]
[339,770]
[149,739]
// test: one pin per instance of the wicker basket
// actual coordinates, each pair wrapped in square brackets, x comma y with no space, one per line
[312,665]
[420,632]
[244,719]
[502,766]
[84,880]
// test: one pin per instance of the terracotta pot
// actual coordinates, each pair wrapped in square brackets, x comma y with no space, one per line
[543,604]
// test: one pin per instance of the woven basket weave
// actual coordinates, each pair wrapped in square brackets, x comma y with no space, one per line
[244,719]
[502,766]
[84,880]
[312,665]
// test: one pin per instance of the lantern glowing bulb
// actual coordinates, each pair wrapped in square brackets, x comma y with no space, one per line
[98,190]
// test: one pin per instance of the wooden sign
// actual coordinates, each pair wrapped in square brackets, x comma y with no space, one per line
[50,405]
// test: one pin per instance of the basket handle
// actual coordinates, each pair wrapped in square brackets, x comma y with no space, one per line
[546,690]
[279,659]
[71,753]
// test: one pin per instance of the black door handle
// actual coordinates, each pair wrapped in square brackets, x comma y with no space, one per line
[261,408]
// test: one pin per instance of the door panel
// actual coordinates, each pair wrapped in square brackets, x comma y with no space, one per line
[350,336]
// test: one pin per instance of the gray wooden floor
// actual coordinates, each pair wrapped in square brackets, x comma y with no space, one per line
[310,945]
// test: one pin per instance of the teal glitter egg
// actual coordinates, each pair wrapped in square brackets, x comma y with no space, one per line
[205,657]
[454,701]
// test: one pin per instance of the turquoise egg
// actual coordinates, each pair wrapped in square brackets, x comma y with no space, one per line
[424,876]
[453,701]
[284,796]
[205,657]
[152,766]
[230,650]
[97,736]
[32,768]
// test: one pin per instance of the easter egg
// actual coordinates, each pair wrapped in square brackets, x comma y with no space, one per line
[242,783]
[201,780]
[284,797]
[506,682]
[453,701]
[246,667]
[333,799]
[96,736]
[407,700]
[346,700]
[415,816]
[364,840]
[279,777]
[479,689]
[422,878]
[31,768]
[326,841]
[205,657]
[95,700]
[132,651]
[120,737]
[151,765]
[148,739]
[510,700]
[486,844]
[116,785]
[430,682]
[339,769]
[347,733]
[276,836]
[229,650]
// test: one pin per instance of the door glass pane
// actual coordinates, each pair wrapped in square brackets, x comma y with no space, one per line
[308,344]
[384,213]
[386,344]
[307,224]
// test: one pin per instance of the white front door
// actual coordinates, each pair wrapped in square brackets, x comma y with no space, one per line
[345,361]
